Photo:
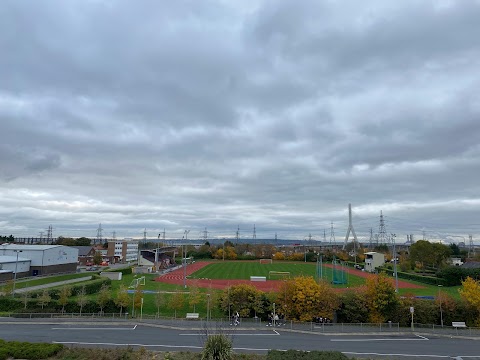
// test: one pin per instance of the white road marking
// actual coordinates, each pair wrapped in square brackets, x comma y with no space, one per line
[276,333]
[93,328]
[406,355]
[151,346]
[419,338]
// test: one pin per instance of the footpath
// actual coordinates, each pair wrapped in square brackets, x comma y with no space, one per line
[50,285]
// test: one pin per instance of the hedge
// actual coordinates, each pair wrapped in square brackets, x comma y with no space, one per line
[419,278]
[25,350]
[454,275]
[125,271]
[91,287]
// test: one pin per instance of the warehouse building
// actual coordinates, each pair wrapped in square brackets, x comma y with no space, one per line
[8,265]
[44,259]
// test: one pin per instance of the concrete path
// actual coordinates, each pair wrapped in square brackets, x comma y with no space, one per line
[50,285]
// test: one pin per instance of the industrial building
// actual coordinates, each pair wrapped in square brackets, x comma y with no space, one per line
[44,259]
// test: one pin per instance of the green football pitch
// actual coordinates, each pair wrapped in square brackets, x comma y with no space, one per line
[234,270]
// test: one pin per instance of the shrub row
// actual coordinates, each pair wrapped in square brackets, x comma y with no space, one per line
[25,350]
[91,287]
[419,278]
[454,275]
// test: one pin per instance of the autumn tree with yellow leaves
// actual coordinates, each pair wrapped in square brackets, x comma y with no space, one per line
[303,299]
[470,292]
[381,297]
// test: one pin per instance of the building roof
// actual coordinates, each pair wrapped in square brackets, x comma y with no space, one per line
[471,265]
[372,253]
[28,247]
[4,259]
[83,250]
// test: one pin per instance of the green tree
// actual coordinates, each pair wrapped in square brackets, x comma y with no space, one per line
[138,299]
[195,297]
[44,299]
[354,308]
[8,288]
[97,258]
[82,298]
[83,241]
[427,253]
[241,298]
[159,301]
[176,302]
[103,297]
[63,296]
[122,299]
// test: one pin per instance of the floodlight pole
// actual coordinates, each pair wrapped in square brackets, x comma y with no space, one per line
[440,300]
[185,261]
[395,262]
[15,275]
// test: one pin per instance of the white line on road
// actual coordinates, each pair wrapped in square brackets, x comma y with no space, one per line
[93,328]
[414,355]
[115,344]
[419,338]
[276,333]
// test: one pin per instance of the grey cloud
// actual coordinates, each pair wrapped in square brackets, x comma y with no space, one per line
[188,115]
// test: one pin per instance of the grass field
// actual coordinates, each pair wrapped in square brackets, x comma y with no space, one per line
[243,270]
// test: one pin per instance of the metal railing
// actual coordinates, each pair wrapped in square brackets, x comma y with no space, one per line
[257,323]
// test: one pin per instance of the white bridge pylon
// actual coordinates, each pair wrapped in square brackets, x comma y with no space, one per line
[350,229]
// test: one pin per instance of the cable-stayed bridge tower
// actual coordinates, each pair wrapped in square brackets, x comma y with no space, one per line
[350,230]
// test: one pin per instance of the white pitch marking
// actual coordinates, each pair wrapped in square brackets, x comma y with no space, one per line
[420,338]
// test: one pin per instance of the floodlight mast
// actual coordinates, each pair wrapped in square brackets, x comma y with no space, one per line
[185,259]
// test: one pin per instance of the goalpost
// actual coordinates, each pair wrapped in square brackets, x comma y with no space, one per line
[138,281]
[266,261]
[279,275]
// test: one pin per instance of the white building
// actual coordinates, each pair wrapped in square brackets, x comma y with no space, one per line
[126,250]
[44,259]
[373,260]
[8,265]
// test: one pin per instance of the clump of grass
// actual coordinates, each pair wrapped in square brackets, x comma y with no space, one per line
[217,347]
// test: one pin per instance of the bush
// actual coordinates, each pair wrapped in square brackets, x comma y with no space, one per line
[91,287]
[419,278]
[454,275]
[217,347]
[9,304]
[25,350]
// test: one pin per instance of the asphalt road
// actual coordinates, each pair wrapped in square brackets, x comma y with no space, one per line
[408,346]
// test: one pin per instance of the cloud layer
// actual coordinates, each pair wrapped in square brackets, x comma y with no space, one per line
[221,114]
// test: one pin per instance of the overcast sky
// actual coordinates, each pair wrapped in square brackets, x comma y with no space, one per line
[188,115]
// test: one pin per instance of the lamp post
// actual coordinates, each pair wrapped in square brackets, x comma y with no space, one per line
[208,306]
[185,261]
[395,263]
[440,300]
[15,275]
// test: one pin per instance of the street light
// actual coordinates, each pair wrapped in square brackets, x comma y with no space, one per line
[15,275]
[395,263]
[185,260]
[440,300]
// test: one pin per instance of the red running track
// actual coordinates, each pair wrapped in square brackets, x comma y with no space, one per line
[176,277]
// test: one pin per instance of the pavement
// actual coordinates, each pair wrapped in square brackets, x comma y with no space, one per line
[50,285]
